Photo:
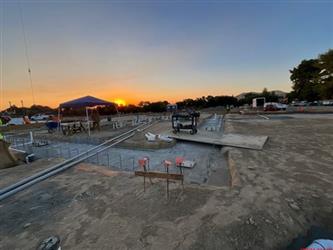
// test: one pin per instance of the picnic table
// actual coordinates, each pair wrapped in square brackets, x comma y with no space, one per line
[73,127]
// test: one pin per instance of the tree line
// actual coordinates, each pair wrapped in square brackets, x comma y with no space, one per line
[313,79]
[153,107]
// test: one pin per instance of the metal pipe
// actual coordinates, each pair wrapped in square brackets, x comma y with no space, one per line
[28,157]
[133,163]
[25,180]
[97,158]
[140,130]
[17,150]
[263,116]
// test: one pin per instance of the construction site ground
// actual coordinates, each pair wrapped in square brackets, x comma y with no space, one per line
[281,192]
[107,132]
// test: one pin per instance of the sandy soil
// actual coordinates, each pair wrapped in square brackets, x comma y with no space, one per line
[11,175]
[284,189]
[96,136]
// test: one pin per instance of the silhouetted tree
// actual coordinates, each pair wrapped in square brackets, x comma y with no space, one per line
[313,79]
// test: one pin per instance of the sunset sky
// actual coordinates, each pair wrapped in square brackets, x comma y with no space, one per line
[156,50]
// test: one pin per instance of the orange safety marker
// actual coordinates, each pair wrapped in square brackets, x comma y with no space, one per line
[179,163]
[167,163]
[144,163]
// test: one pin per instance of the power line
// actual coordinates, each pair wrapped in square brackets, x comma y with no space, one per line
[2,54]
[26,52]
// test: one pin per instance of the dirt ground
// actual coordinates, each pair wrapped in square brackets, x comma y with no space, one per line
[11,175]
[108,132]
[283,190]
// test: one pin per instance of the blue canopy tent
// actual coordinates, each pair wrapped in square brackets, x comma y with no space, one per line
[84,102]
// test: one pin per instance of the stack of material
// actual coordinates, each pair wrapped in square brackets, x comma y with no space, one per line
[188,164]
[153,137]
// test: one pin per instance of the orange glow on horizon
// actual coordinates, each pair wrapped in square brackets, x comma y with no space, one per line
[120,102]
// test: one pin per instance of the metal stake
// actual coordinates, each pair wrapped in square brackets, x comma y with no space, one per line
[108,156]
[167,183]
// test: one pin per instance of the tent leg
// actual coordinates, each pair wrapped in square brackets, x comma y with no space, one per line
[87,116]
[59,119]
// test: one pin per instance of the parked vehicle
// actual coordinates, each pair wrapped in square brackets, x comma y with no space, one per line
[40,117]
[300,104]
[315,103]
[274,106]
[327,102]
[15,121]
[270,107]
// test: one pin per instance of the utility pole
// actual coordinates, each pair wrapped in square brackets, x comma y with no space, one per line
[2,49]
[26,53]
[22,103]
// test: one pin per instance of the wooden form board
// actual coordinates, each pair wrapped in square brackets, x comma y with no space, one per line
[160,175]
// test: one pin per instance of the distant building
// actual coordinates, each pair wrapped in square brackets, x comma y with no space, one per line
[279,93]
[171,107]
[258,102]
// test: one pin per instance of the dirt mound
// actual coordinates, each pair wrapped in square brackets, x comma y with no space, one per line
[7,159]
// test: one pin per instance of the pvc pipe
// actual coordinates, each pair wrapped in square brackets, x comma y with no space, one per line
[31,137]
[17,150]
[27,158]
[263,116]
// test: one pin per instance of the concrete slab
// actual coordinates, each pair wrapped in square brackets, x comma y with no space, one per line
[232,140]
[244,141]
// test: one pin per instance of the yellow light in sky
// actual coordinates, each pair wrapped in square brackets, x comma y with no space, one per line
[120,102]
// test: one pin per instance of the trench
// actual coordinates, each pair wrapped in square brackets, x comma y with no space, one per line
[210,165]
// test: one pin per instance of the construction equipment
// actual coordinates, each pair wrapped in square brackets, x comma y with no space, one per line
[187,120]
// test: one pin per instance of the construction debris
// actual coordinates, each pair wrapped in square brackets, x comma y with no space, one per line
[51,243]
[188,164]
[153,137]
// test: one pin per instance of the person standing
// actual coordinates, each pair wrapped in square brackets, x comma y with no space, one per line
[96,119]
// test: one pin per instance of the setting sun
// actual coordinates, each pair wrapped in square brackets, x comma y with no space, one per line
[120,102]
